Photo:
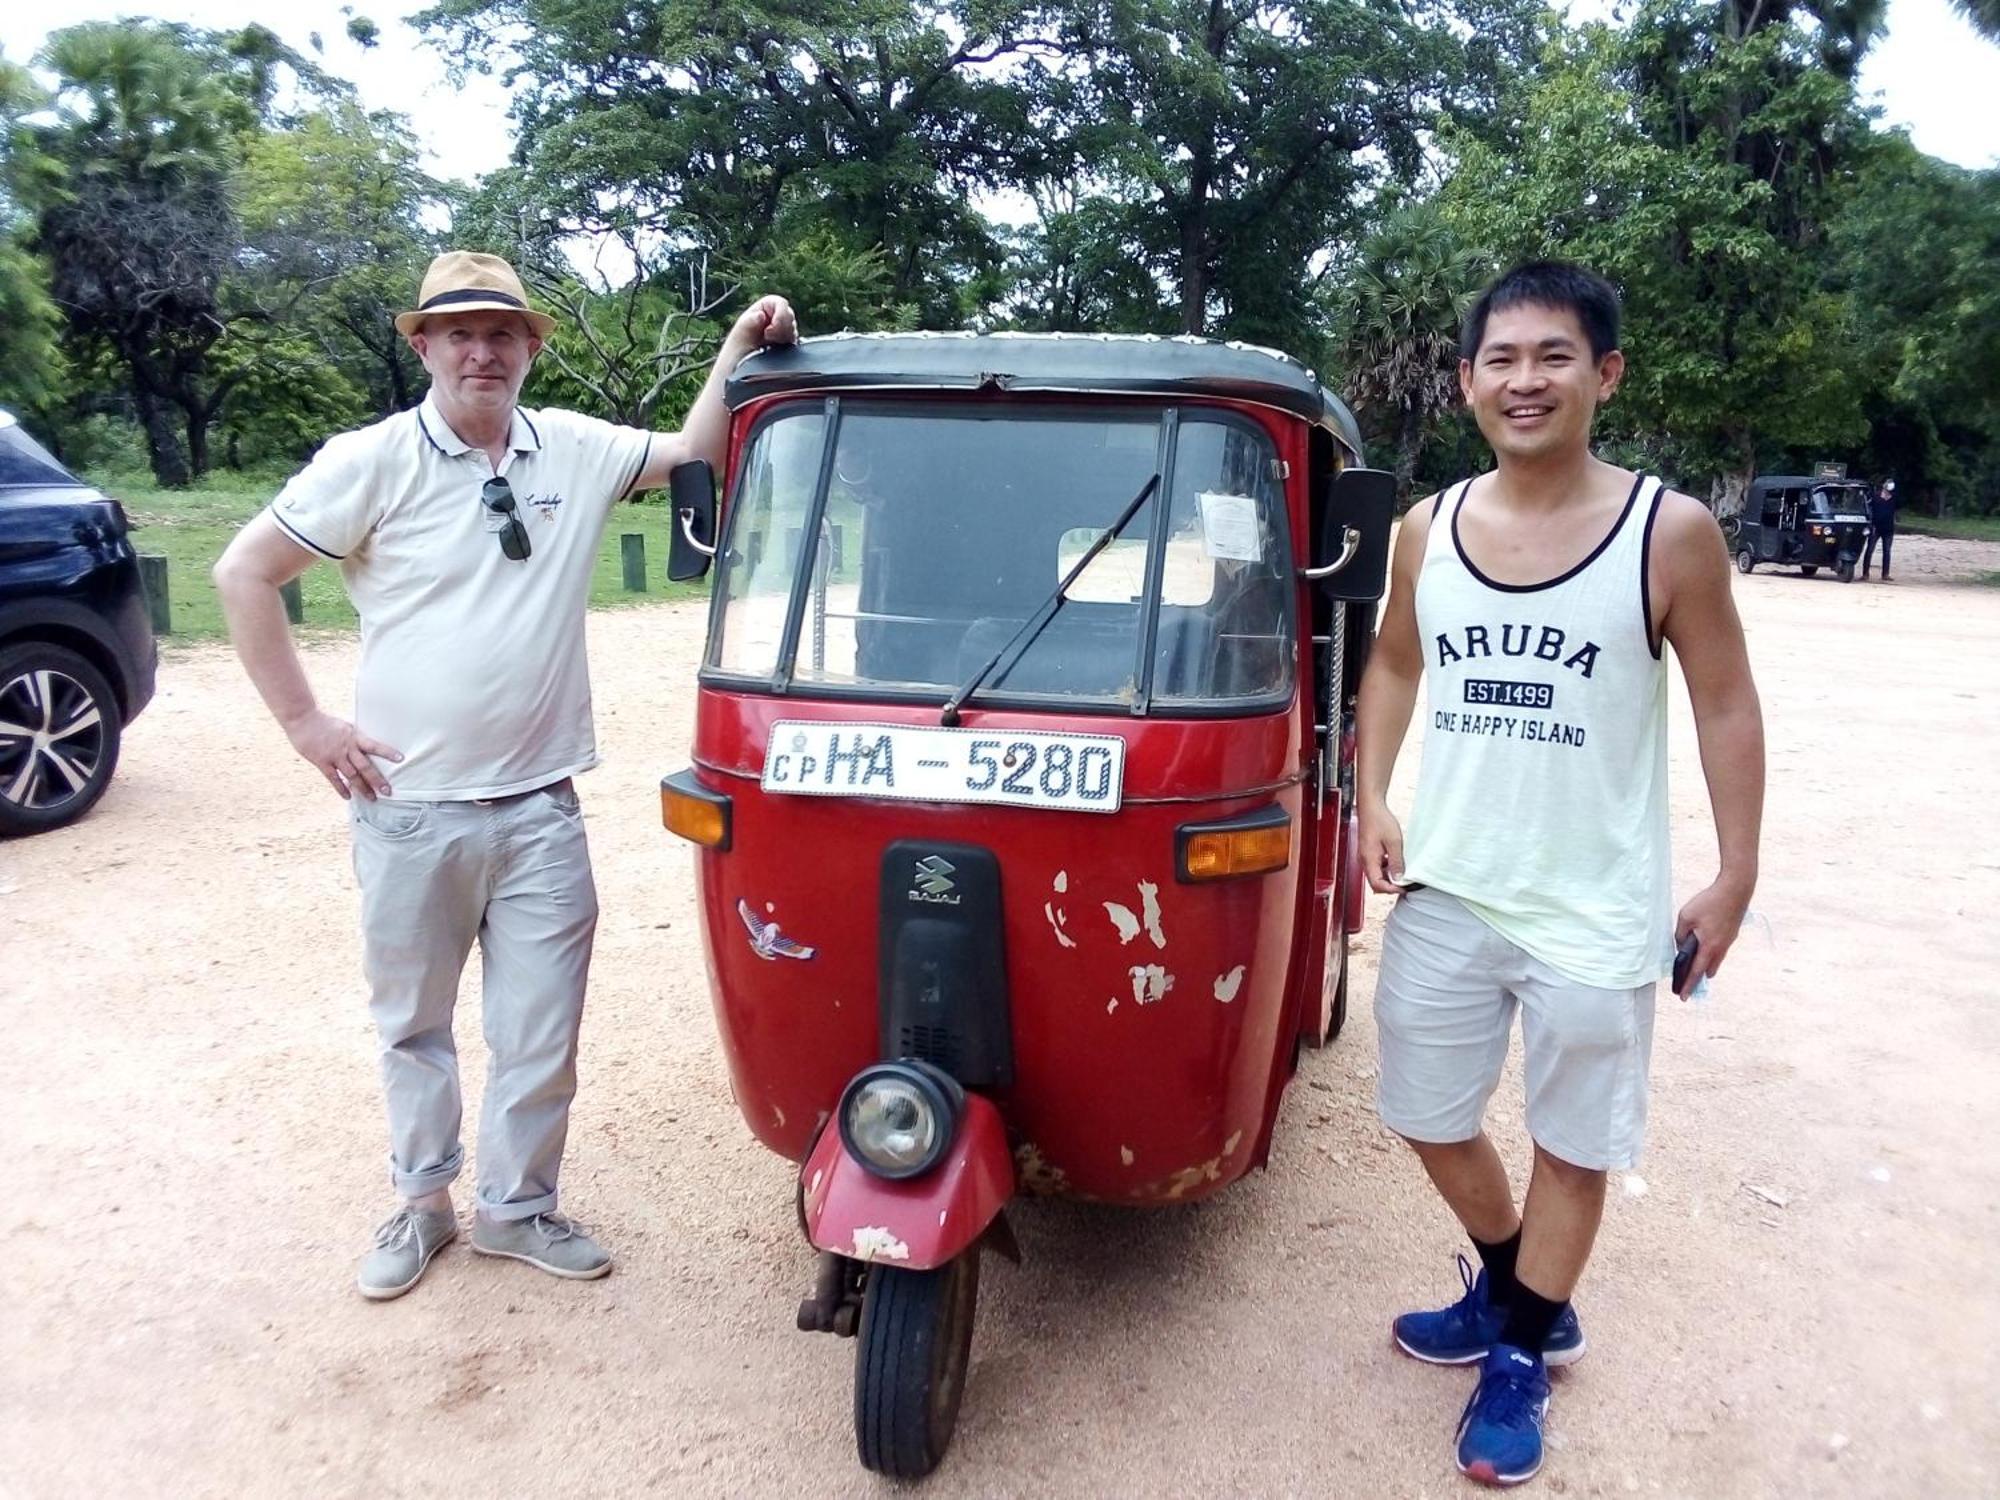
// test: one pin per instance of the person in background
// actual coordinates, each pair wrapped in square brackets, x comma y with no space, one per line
[1881,528]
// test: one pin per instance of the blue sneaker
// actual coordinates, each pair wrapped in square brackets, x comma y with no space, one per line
[1465,1332]
[1500,1435]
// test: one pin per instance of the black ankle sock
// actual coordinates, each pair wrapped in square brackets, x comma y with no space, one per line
[1499,1262]
[1530,1316]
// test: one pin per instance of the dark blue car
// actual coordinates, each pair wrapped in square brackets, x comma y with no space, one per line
[76,646]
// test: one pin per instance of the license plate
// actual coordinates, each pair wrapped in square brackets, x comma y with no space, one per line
[1071,772]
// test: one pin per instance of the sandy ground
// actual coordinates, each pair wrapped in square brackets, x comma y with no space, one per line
[1797,1299]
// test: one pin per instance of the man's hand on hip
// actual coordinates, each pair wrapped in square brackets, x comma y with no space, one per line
[341,753]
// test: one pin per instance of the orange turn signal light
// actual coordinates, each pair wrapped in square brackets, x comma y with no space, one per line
[1249,846]
[694,812]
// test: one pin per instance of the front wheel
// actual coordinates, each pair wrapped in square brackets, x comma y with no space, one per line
[1745,560]
[1846,570]
[59,732]
[910,1366]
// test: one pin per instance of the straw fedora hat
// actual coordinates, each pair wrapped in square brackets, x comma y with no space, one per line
[467,281]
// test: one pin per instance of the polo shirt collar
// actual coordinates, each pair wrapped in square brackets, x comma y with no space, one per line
[521,434]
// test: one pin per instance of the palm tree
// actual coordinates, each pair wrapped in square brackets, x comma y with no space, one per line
[1984,15]
[1400,314]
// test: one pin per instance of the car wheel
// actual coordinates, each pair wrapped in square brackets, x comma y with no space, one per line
[1745,560]
[59,732]
[1846,572]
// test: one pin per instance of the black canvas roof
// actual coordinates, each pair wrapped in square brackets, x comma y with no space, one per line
[1098,363]
[1804,482]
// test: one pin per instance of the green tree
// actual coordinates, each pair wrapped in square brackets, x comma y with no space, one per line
[1737,349]
[1398,316]
[1238,143]
[134,213]
[1983,14]
[28,322]
[332,211]
[741,127]
[1914,254]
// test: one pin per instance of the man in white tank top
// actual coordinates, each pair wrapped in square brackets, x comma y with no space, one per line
[1533,603]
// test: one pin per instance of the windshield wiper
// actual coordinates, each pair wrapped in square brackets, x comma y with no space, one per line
[1038,621]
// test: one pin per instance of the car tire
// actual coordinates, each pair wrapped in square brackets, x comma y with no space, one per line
[1745,560]
[60,728]
[1847,572]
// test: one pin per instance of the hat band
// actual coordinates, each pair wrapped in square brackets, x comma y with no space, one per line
[446,299]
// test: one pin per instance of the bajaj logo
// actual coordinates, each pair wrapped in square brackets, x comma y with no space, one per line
[934,882]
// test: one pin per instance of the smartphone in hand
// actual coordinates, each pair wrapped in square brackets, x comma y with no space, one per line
[1684,956]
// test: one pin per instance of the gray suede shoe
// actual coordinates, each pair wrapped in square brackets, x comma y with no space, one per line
[404,1245]
[548,1242]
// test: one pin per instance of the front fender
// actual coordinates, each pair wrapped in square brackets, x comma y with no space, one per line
[919,1223]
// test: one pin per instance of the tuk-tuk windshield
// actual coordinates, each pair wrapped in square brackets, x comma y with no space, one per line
[943,529]
[1839,500]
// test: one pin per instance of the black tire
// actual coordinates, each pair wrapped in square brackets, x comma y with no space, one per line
[1339,1020]
[1336,972]
[60,728]
[910,1364]
[1745,560]
[1846,572]
[1808,570]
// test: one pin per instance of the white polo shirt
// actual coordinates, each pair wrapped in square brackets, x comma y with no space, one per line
[472,664]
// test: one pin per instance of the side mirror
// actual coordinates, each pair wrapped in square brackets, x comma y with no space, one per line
[691,492]
[1351,534]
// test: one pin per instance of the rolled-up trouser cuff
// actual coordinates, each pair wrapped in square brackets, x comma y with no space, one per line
[430,1179]
[511,1213]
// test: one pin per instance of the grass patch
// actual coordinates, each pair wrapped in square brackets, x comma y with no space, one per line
[1954,528]
[191,527]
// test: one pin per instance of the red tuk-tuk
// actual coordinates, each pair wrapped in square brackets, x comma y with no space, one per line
[1023,786]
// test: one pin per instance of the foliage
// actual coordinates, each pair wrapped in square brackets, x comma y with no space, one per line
[1398,315]
[1705,197]
[1230,150]
[332,211]
[204,239]
[736,127]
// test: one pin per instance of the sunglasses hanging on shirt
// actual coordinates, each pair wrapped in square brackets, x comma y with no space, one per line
[497,495]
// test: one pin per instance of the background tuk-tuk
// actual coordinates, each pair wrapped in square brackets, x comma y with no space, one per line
[1797,522]
[1023,786]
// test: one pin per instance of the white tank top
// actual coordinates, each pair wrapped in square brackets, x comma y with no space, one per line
[1542,798]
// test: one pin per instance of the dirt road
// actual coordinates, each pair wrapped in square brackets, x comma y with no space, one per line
[1797,1297]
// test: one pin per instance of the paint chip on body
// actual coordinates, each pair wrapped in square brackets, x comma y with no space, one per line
[873,1242]
[1062,881]
[1150,983]
[1123,920]
[1226,985]
[1057,922]
[1125,1155]
[1149,901]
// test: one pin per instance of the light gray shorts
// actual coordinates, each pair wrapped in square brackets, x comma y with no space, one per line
[1444,1009]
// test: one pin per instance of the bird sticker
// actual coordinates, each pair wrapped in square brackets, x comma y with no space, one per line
[766,941]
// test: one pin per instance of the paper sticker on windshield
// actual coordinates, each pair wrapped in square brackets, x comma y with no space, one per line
[1229,528]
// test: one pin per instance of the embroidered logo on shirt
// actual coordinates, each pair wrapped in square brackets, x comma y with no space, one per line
[545,505]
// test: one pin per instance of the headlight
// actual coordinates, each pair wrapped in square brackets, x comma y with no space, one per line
[898,1118]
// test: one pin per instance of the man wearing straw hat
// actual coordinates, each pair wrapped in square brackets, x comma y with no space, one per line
[466,531]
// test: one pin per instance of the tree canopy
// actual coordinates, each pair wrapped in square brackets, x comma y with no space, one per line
[203,233]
